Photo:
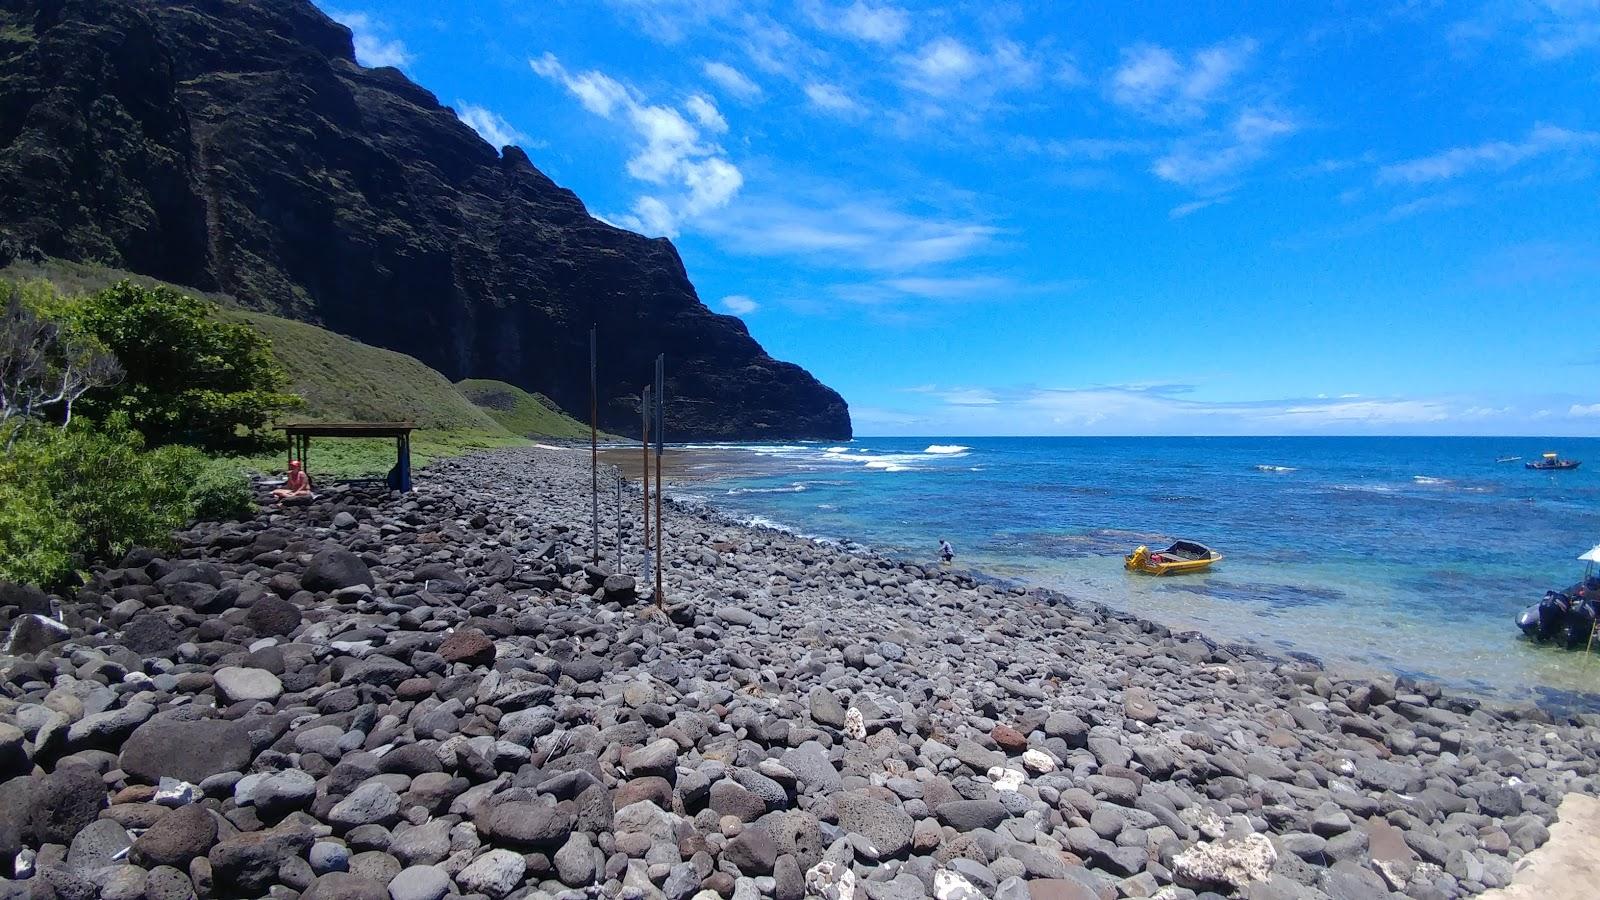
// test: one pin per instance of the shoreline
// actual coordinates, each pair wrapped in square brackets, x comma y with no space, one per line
[688,467]
[376,693]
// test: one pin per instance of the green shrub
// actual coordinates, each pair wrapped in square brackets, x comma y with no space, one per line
[37,539]
[221,492]
[81,493]
[191,376]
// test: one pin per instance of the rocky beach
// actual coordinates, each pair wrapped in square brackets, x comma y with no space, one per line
[436,694]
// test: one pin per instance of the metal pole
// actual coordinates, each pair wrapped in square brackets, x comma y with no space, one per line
[594,453]
[618,479]
[661,406]
[644,477]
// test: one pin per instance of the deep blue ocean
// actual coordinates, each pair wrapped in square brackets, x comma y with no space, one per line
[1408,554]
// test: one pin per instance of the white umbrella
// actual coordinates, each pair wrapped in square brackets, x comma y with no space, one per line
[1592,556]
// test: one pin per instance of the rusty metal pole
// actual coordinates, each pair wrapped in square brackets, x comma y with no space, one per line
[644,474]
[661,427]
[594,453]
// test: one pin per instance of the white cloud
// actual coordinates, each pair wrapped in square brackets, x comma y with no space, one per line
[1361,412]
[374,48]
[731,80]
[1154,82]
[1548,29]
[705,112]
[875,23]
[1212,158]
[831,98]
[1432,203]
[1494,156]
[1095,149]
[489,125]
[947,68]
[739,304]
[850,233]
[895,291]
[773,48]
[1162,408]
[1580,411]
[1185,210]
[674,152]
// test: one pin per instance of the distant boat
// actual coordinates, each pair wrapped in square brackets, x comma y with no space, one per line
[1181,558]
[1506,459]
[1552,462]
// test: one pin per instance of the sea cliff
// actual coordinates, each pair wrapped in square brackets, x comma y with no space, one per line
[235,146]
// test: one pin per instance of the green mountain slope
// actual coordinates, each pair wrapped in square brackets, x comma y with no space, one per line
[522,413]
[344,380]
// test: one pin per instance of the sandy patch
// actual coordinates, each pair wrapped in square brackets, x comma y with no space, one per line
[1567,867]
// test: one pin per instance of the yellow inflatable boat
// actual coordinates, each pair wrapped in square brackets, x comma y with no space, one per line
[1181,558]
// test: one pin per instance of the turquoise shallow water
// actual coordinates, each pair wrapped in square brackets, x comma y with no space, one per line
[1407,554]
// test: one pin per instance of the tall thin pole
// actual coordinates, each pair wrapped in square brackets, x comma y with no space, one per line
[644,478]
[618,480]
[594,450]
[661,405]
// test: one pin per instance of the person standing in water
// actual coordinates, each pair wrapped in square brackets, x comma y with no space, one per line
[946,552]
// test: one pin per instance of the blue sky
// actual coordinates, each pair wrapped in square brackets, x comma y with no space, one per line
[992,218]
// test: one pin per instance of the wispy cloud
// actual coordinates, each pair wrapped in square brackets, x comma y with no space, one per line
[1212,158]
[1585,411]
[674,154]
[732,81]
[1185,210]
[947,68]
[738,304]
[1492,156]
[1548,30]
[706,113]
[1093,149]
[894,291]
[1452,199]
[489,125]
[874,23]
[1175,408]
[1159,84]
[374,47]
[832,99]
[851,233]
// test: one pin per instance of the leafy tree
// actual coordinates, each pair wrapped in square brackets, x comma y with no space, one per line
[44,367]
[192,378]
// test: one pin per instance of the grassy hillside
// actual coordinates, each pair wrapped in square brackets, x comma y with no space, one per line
[522,413]
[343,380]
[347,381]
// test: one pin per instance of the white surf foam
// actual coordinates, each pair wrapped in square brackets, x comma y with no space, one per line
[945,449]
[795,488]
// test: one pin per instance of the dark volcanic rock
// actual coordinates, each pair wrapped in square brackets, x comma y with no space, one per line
[468,646]
[236,146]
[335,568]
[64,802]
[191,750]
[24,598]
[176,838]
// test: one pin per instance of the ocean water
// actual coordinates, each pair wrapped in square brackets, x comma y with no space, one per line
[1406,554]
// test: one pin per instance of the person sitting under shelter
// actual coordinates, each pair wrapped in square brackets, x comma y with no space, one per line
[297,486]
